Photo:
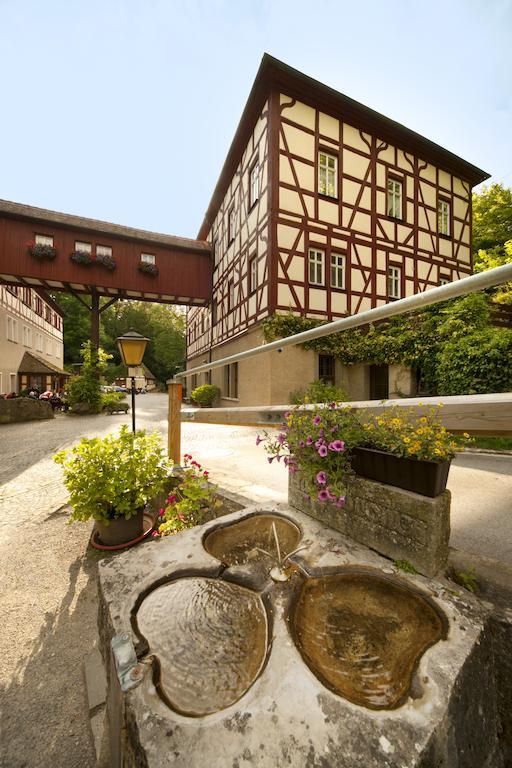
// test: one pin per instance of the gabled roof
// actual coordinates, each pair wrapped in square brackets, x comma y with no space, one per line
[275,75]
[32,364]
[18,210]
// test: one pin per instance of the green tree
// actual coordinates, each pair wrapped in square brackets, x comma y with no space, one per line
[492,217]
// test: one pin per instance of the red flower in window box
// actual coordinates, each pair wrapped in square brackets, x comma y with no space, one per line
[40,251]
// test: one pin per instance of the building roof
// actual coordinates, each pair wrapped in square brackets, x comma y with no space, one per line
[18,210]
[275,75]
[32,364]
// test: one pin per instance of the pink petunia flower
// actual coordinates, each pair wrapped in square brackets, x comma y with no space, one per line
[258,439]
[340,502]
[302,444]
[317,420]
[322,451]
[337,445]
[321,478]
[281,438]
[309,441]
[323,495]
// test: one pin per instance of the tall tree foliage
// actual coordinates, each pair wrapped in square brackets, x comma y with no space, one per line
[492,234]
[162,324]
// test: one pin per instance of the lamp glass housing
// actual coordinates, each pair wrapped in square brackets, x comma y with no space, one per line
[132,347]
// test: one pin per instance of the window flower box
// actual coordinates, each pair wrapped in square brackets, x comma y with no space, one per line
[41,252]
[81,257]
[106,261]
[425,477]
[148,269]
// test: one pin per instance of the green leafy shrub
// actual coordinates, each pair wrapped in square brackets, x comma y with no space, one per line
[318,392]
[405,566]
[111,399]
[466,579]
[113,476]
[205,394]
[477,363]
[85,388]
[191,495]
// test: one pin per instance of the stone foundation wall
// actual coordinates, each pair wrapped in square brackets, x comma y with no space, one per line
[24,409]
[396,523]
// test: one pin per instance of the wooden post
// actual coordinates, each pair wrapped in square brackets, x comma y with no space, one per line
[174,418]
[95,319]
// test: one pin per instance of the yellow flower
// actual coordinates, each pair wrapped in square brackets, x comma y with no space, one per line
[407,439]
[423,420]
[466,435]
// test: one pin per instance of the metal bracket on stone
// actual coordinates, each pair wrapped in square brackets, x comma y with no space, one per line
[129,671]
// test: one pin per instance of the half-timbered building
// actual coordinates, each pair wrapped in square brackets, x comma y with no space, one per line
[324,208]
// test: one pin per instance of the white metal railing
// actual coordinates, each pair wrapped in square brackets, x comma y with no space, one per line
[488,279]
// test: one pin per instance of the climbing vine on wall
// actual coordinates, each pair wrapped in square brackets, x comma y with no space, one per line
[452,344]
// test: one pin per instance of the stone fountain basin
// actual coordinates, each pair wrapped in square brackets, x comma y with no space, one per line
[289,714]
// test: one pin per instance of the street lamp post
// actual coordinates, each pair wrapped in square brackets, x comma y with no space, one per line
[132,347]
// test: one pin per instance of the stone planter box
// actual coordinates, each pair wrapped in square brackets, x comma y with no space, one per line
[395,522]
[427,478]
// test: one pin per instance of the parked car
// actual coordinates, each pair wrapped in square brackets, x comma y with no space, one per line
[117,388]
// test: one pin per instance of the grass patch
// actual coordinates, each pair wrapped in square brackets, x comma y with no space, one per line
[493,443]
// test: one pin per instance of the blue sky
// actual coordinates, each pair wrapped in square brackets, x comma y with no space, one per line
[124,110]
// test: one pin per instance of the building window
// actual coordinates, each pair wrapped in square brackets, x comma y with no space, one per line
[208,377]
[327,174]
[148,258]
[12,329]
[214,252]
[27,340]
[214,312]
[193,382]
[39,342]
[254,184]
[44,240]
[394,280]
[39,306]
[253,274]
[337,270]
[231,380]
[395,209]
[12,289]
[443,217]
[231,225]
[326,368]
[48,314]
[316,266]
[444,280]
[12,377]
[231,295]
[83,247]
[103,250]
[26,297]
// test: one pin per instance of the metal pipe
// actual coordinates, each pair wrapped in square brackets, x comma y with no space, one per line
[488,279]
[133,404]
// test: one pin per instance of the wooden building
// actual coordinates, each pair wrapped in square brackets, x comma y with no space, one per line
[324,208]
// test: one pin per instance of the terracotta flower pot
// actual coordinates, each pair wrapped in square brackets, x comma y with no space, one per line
[121,530]
[420,476]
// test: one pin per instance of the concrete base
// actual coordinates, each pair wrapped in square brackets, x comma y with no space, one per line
[287,717]
[397,523]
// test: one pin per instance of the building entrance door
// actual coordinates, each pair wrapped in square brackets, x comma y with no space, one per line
[379,378]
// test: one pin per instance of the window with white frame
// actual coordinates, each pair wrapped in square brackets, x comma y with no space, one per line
[12,329]
[316,266]
[327,174]
[12,382]
[254,184]
[103,250]
[44,240]
[39,342]
[394,198]
[148,258]
[394,282]
[443,217]
[231,225]
[337,270]
[27,336]
[230,388]
[83,247]
[444,280]
[253,274]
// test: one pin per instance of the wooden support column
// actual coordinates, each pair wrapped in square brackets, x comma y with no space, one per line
[95,318]
[174,419]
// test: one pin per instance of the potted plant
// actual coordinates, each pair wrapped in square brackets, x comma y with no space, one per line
[191,501]
[111,479]
[205,395]
[40,251]
[400,448]
[81,257]
[396,447]
[148,269]
[107,261]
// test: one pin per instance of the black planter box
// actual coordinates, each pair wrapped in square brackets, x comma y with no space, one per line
[425,477]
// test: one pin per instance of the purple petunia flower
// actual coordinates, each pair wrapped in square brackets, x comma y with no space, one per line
[323,495]
[333,429]
[309,441]
[287,414]
[321,478]
[302,444]
[258,439]
[340,502]
[332,406]
[337,445]
[332,496]
[270,459]
[322,451]
[317,420]
[281,438]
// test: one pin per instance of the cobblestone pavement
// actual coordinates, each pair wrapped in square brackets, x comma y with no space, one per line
[48,607]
